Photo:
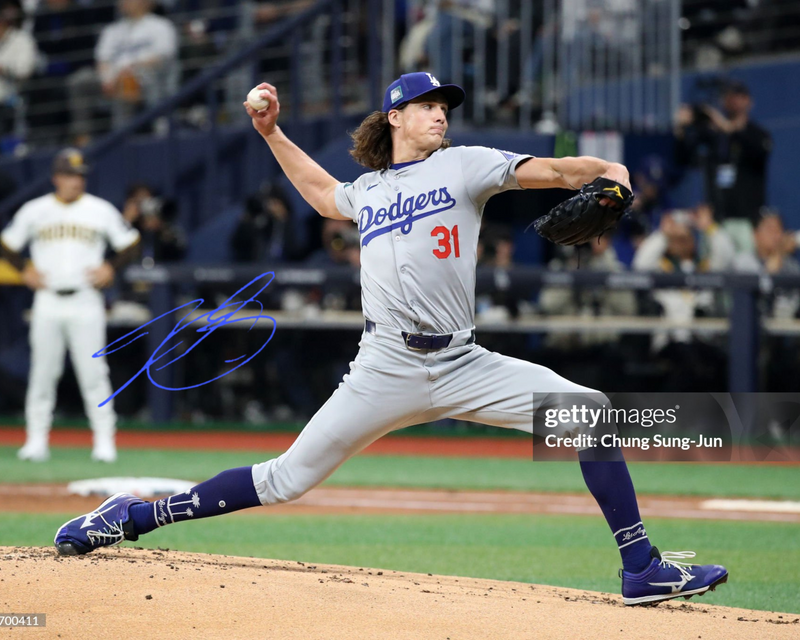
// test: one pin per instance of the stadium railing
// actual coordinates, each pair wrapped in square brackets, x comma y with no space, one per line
[743,327]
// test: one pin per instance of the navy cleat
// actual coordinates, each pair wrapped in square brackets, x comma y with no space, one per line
[666,578]
[106,526]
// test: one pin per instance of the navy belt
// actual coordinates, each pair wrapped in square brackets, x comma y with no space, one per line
[422,341]
[66,292]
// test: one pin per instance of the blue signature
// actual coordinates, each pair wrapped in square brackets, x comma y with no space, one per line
[212,323]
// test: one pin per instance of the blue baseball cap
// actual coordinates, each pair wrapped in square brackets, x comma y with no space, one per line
[413,85]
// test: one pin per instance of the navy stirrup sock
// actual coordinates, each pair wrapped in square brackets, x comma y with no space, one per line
[610,483]
[228,491]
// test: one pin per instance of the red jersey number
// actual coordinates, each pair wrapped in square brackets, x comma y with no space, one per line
[445,247]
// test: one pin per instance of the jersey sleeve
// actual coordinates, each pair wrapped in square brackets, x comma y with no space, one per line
[489,171]
[345,195]
[119,232]
[18,232]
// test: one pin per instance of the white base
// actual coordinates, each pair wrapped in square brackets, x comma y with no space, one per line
[141,487]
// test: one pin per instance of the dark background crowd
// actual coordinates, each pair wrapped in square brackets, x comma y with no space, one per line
[73,69]
[94,56]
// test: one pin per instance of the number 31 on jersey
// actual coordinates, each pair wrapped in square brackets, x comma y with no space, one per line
[446,247]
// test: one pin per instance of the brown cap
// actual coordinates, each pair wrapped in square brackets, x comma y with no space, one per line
[70,161]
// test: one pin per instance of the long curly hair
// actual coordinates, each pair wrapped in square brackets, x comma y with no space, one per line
[372,141]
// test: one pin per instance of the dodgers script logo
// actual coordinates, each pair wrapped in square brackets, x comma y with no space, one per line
[401,213]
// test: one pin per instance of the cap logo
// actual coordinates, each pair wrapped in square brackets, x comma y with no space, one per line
[396,94]
[433,80]
[75,160]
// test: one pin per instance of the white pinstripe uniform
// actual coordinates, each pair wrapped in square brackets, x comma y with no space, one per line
[66,240]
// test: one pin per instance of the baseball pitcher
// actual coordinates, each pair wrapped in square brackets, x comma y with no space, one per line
[68,231]
[418,212]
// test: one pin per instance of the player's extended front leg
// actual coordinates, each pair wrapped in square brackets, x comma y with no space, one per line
[354,416]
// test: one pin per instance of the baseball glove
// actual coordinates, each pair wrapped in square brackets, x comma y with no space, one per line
[583,217]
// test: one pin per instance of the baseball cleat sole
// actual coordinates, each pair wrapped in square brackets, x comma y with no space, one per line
[654,600]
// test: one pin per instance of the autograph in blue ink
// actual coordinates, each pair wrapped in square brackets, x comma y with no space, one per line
[212,321]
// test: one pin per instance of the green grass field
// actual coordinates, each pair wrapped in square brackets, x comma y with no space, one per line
[571,551]
[724,480]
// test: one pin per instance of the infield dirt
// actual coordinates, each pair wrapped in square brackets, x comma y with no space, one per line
[129,592]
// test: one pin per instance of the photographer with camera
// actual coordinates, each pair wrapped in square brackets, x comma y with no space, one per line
[153,217]
[732,151]
[265,232]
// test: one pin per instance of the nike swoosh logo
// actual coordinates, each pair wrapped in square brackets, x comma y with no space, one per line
[372,186]
[89,519]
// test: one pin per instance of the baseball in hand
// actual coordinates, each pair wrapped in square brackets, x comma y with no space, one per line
[255,100]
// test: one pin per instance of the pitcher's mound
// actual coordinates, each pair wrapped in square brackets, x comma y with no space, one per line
[138,593]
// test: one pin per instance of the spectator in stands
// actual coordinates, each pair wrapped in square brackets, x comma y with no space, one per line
[771,257]
[17,63]
[594,355]
[780,357]
[649,181]
[340,245]
[265,232]
[340,248]
[429,44]
[65,32]
[687,242]
[162,239]
[732,151]
[137,64]
[496,246]
[451,15]
[597,255]
[496,251]
[197,48]
[715,244]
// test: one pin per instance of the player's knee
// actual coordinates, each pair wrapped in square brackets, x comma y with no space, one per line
[288,489]
[275,485]
[290,494]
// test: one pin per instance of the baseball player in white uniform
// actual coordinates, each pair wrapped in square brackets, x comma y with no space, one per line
[418,213]
[68,232]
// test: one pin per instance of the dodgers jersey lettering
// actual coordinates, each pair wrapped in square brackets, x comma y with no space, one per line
[419,224]
[68,238]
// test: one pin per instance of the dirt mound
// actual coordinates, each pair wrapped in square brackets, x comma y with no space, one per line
[128,592]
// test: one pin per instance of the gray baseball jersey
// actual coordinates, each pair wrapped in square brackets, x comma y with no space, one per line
[419,225]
